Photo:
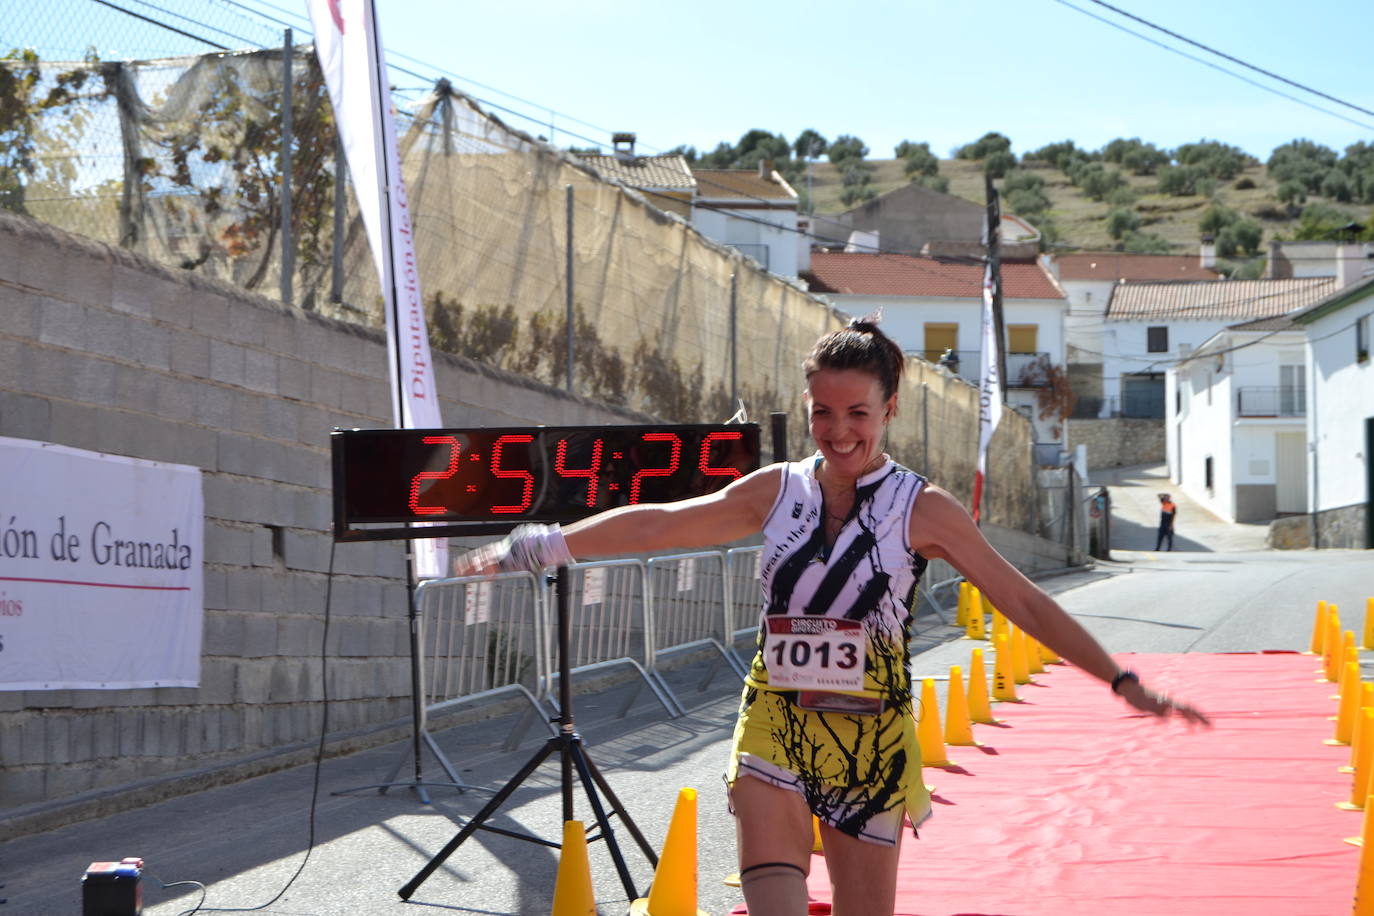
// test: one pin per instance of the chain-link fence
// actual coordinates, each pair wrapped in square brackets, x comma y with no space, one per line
[184,160]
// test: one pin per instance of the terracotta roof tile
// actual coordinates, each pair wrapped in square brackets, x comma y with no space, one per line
[902,275]
[1112,265]
[669,172]
[1236,300]
[745,184]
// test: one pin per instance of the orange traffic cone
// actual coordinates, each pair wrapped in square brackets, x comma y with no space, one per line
[1368,641]
[1366,699]
[1034,657]
[975,626]
[572,889]
[1020,667]
[928,731]
[1364,879]
[674,891]
[1359,788]
[1318,631]
[1003,675]
[1350,697]
[958,728]
[816,844]
[1330,644]
[979,706]
[1049,655]
[999,626]
[961,615]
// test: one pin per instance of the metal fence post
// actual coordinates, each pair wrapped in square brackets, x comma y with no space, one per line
[288,252]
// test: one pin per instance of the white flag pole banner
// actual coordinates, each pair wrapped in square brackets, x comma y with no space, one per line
[100,570]
[989,392]
[349,47]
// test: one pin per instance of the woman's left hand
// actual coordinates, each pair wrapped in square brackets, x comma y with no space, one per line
[1161,704]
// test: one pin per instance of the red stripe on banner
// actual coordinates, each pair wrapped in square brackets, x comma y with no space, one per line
[977,493]
[153,588]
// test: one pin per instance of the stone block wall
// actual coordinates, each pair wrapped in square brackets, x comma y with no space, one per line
[104,350]
[1118,442]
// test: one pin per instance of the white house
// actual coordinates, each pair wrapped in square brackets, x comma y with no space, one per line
[1149,327]
[1088,279]
[931,305]
[1340,423]
[755,211]
[1236,421]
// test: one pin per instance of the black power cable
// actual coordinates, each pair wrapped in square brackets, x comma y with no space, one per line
[319,760]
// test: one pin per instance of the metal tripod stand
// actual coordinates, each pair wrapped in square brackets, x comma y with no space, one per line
[572,754]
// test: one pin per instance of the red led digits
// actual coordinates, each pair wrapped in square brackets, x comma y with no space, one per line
[591,472]
[527,496]
[704,462]
[453,450]
[656,472]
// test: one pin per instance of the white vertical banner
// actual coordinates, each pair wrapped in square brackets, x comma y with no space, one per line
[349,47]
[989,391]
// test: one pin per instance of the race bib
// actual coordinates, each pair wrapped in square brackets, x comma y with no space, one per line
[815,653]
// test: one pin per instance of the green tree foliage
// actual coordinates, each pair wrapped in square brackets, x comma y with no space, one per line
[1025,193]
[1179,180]
[1095,179]
[1323,222]
[934,182]
[1302,161]
[1234,233]
[753,146]
[1144,243]
[1060,155]
[919,160]
[991,142]
[1121,197]
[809,144]
[1336,185]
[1136,156]
[846,148]
[686,152]
[999,163]
[1219,160]
[1121,221]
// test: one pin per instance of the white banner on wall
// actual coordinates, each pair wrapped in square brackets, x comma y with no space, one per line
[100,570]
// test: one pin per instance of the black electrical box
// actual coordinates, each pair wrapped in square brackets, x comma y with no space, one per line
[113,888]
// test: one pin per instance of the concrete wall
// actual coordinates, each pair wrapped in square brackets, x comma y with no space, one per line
[102,349]
[1119,442]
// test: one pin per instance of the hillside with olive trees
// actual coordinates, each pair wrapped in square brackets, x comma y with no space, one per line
[1129,195]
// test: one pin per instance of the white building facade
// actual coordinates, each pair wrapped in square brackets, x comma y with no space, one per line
[1236,422]
[1340,422]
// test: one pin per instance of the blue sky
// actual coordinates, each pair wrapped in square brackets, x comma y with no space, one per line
[945,73]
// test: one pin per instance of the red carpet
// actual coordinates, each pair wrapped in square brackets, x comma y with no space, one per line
[1077,806]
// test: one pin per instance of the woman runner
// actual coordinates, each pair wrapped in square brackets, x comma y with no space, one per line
[825,724]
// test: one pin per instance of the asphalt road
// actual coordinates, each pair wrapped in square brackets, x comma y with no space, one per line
[245,841]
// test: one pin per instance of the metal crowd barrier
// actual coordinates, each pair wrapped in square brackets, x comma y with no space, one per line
[482,635]
[742,599]
[688,609]
[610,624]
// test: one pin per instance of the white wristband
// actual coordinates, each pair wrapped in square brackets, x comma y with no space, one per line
[533,548]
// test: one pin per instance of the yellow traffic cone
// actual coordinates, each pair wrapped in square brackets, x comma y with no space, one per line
[979,707]
[1350,695]
[958,728]
[1368,642]
[1359,787]
[1366,698]
[1020,667]
[1003,675]
[928,731]
[1034,658]
[1318,631]
[1364,877]
[1348,654]
[572,889]
[1049,656]
[816,845]
[961,615]
[1331,644]
[674,891]
[975,628]
[1000,627]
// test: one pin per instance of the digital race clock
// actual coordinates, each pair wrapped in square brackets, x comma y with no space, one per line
[482,481]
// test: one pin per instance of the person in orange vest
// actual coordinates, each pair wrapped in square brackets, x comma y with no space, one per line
[1167,511]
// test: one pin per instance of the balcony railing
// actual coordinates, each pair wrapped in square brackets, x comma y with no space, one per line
[1283,401]
[969,365]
